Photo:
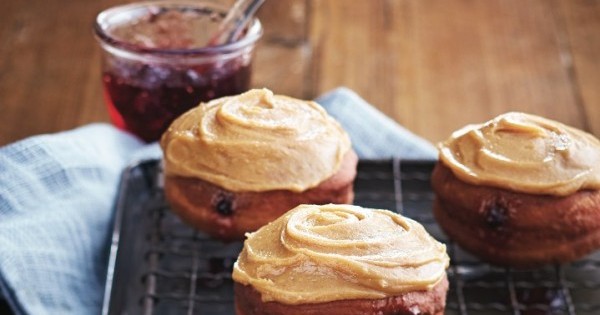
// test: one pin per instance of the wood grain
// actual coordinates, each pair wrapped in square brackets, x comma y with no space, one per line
[431,65]
[582,24]
[49,75]
[437,65]
[283,55]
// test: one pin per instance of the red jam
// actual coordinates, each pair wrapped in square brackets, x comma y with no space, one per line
[155,67]
[143,102]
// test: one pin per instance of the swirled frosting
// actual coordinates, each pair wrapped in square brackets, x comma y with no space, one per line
[524,153]
[256,141]
[332,252]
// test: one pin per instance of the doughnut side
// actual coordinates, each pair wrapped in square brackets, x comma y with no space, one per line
[248,302]
[228,215]
[516,229]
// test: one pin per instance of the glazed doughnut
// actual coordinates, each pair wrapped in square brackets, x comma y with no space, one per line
[520,190]
[341,259]
[236,163]
[227,215]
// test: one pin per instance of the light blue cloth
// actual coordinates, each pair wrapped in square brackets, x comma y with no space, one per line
[57,193]
[374,135]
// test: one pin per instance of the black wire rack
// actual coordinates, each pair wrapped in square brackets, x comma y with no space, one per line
[159,265]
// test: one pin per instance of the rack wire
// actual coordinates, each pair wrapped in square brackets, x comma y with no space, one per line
[162,266]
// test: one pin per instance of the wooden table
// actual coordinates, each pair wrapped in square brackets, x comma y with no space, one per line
[432,65]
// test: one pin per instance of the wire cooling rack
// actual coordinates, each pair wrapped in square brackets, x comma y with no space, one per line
[158,265]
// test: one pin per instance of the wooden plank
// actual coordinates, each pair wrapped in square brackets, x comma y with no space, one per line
[281,68]
[582,19]
[284,21]
[11,27]
[435,66]
[283,55]
[350,47]
[50,75]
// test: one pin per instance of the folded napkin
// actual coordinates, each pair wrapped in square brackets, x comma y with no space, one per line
[57,194]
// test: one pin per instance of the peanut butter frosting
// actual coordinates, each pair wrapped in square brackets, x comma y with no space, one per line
[524,153]
[316,254]
[256,141]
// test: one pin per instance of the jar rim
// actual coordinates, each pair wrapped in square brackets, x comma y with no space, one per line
[254,33]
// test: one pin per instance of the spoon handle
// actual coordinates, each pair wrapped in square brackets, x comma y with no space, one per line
[235,22]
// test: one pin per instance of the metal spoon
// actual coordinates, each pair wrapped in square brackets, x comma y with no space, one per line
[235,22]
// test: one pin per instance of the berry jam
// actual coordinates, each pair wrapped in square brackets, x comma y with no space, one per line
[158,62]
[145,99]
